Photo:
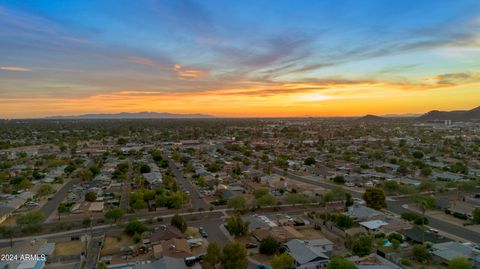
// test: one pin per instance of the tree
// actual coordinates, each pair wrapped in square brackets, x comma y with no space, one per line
[296,198]
[213,255]
[257,193]
[236,226]
[94,169]
[424,203]
[421,254]
[375,198]
[309,161]
[360,244]
[426,171]
[30,222]
[348,200]
[283,261]
[417,154]
[339,179]
[90,196]
[476,215]
[179,222]
[135,227]
[7,232]
[114,214]
[344,221]
[459,263]
[269,246]
[84,174]
[45,189]
[339,262]
[266,200]
[145,168]
[237,203]
[234,256]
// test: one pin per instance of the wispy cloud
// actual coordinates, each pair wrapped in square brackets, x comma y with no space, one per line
[14,69]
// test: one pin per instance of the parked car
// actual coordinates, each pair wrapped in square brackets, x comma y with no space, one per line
[250,245]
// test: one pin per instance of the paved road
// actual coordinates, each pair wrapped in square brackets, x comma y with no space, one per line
[58,197]
[396,207]
[195,199]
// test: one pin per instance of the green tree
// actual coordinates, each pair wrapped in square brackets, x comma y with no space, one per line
[269,246]
[296,198]
[417,154]
[179,222]
[236,226]
[460,263]
[257,193]
[237,203]
[145,168]
[84,174]
[135,227]
[375,198]
[421,254]
[213,255]
[426,171]
[266,200]
[339,262]
[476,215]
[360,244]
[95,169]
[309,161]
[234,256]
[45,190]
[114,214]
[90,196]
[30,222]
[7,232]
[344,221]
[284,261]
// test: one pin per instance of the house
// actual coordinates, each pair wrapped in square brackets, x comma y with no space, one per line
[373,225]
[96,207]
[373,261]
[419,235]
[281,233]
[165,233]
[363,213]
[178,248]
[309,254]
[447,251]
[37,248]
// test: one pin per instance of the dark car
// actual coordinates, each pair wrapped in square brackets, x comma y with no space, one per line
[250,245]
[202,232]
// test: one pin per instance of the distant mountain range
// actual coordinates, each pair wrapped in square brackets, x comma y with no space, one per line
[434,115]
[138,115]
[457,115]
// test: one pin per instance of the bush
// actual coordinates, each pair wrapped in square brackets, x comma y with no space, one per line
[269,246]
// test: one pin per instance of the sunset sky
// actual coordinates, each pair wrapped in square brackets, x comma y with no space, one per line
[238,58]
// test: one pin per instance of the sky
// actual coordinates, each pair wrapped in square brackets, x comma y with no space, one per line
[238,58]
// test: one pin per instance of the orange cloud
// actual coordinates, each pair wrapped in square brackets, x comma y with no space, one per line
[15,69]
[184,73]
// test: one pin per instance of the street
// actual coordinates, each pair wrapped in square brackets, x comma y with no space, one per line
[57,198]
[195,199]
[396,207]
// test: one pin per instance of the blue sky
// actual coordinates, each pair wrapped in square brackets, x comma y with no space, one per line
[90,49]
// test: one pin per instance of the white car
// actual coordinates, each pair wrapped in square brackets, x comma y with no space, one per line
[405,206]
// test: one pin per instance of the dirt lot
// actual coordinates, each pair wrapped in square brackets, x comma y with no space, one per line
[69,248]
[112,245]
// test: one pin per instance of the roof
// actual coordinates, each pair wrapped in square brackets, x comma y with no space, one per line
[361,212]
[96,206]
[167,234]
[451,250]
[419,235]
[373,261]
[373,224]
[303,253]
